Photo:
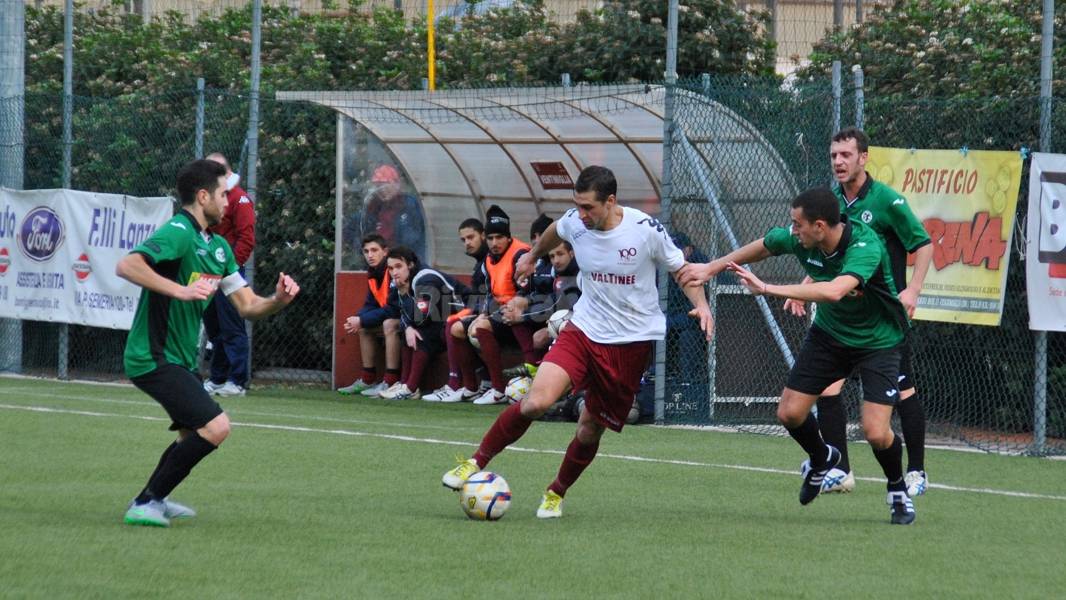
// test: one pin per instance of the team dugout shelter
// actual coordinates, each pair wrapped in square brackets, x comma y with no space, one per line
[412,165]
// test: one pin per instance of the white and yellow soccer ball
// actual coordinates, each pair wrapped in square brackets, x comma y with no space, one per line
[485,496]
[557,321]
[518,389]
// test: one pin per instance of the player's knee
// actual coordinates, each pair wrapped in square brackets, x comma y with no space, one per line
[533,406]
[589,433]
[457,330]
[541,339]
[879,435]
[391,326]
[907,393]
[216,430]
[789,416]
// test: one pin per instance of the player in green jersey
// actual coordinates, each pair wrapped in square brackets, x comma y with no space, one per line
[887,212]
[859,325]
[180,266]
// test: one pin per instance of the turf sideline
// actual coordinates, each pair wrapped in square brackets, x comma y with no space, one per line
[408,438]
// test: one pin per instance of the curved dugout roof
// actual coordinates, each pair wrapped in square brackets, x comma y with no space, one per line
[464,150]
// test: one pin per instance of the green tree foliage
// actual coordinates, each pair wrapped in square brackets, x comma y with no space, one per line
[134,105]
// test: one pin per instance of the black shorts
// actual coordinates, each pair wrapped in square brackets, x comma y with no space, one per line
[906,371]
[432,341]
[823,360]
[181,394]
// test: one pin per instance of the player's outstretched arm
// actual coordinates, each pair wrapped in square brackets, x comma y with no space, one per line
[695,274]
[819,291]
[701,310]
[254,307]
[134,268]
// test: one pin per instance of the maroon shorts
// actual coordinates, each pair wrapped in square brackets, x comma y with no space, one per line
[608,373]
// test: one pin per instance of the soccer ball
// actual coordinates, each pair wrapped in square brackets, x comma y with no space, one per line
[557,321]
[485,496]
[518,389]
[474,342]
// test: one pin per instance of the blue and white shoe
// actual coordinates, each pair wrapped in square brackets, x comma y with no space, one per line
[917,482]
[836,481]
[902,508]
[813,478]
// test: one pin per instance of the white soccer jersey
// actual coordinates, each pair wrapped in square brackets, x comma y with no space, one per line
[619,299]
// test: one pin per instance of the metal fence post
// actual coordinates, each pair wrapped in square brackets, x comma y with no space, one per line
[836,95]
[63,359]
[12,142]
[667,192]
[860,98]
[858,11]
[1040,350]
[199,117]
[253,147]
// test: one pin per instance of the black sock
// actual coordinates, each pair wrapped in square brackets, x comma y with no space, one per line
[179,461]
[912,422]
[811,441]
[144,496]
[833,423]
[891,461]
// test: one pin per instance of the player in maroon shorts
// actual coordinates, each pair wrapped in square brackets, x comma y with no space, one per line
[608,341]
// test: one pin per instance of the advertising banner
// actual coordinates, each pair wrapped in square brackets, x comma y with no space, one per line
[58,251]
[1045,243]
[966,200]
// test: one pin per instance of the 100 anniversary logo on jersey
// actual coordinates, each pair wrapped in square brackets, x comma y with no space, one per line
[41,234]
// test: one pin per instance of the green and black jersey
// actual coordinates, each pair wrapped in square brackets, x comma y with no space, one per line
[166,330]
[870,316]
[887,212]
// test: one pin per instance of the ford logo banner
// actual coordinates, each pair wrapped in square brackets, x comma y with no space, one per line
[40,234]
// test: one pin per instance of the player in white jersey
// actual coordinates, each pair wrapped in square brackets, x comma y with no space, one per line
[606,346]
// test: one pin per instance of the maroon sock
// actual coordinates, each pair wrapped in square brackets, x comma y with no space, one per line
[509,426]
[419,360]
[370,375]
[394,375]
[454,370]
[490,353]
[464,355]
[578,456]
[523,334]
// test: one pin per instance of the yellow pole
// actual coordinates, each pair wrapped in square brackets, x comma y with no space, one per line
[432,70]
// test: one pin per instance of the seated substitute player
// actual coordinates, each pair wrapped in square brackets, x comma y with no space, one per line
[498,324]
[462,383]
[180,266]
[859,324]
[608,342]
[376,319]
[531,305]
[565,291]
[426,299]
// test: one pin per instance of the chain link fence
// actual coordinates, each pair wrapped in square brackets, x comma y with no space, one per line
[977,383]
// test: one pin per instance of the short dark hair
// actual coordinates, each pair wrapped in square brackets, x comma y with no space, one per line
[405,254]
[198,175]
[374,238]
[474,224]
[853,133]
[597,179]
[819,204]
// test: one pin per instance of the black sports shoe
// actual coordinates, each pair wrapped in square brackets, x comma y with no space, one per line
[521,370]
[812,481]
[902,508]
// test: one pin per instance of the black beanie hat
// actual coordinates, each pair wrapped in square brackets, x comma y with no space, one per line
[497,221]
[539,226]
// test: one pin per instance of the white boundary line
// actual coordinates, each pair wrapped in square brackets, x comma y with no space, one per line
[408,438]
